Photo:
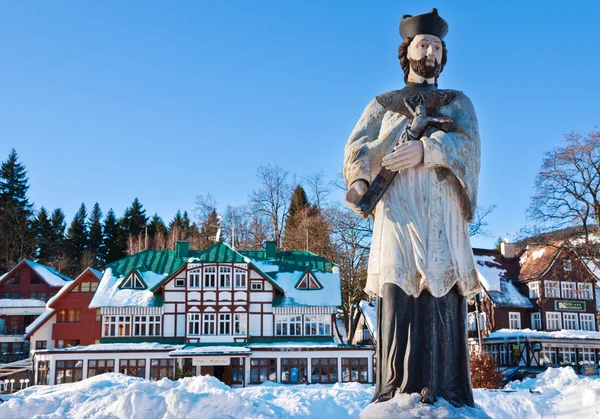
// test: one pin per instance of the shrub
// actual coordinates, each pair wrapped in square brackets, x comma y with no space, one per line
[484,371]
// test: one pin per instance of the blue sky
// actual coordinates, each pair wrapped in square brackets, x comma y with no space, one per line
[106,101]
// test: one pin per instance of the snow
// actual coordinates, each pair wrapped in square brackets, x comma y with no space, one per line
[209,350]
[64,289]
[370,314]
[538,253]
[263,265]
[329,295]
[557,393]
[536,334]
[118,347]
[6,303]
[292,345]
[109,294]
[489,273]
[509,296]
[50,275]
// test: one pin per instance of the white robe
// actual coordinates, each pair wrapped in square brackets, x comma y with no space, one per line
[421,237]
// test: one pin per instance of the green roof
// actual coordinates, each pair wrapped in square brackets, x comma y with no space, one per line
[293,261]
[159,261]
[219,253]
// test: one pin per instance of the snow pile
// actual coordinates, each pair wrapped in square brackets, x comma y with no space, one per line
[119,396]
[536,334]
[557,393]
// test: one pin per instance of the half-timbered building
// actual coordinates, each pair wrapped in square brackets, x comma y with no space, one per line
[243,317]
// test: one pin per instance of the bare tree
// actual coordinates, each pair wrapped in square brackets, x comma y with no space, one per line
[477,227]
[272,197]
[318,187]
[567,187]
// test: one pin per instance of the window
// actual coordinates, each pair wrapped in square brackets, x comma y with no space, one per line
[256,286]
[133,367]
[69,316]
[42,377]
[116,326]
[194,324]
[15,280]
[162,368]
[553,321]
[240,278]
[262,370]
[75,289]
[324,370]
[146,326]
[568,289]
[93,286]
[587,322]
[38,296]
[69,371]
[355,369]
[584,290]
[237,370]
[224,323]
[288,325]
[98,315]
[570,321]
[317,325]
[133,282]
[100,366]
[36,280]
[41,344]
[567,356]
[549,353]
[85,287]
[551,289]
[514,320]
[587,356]
[567,265]
[208,327]
[534,289]
[293,370]
[239,323]
[536,321]
[179,282]
[194,279]
[224,277]
[210,277]
[308,282]
[482,321]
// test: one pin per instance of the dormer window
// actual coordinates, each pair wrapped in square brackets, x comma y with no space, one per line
[567,265]
[308,282]
[133,282]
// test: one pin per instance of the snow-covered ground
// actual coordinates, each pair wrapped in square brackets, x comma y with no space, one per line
[558,393]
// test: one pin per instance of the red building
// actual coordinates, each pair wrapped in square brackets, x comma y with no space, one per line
[24,291]
[68,320]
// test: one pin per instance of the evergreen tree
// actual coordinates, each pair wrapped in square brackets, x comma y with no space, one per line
[17,240]
[134,219]
[208,230]
[43,236]
[96,242]
[176,227]
[156,225]
[78,240]
[114,247]
[59,256]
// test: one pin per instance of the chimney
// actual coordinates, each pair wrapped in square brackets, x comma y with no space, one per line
[508,250]
[271,250]
[182,249]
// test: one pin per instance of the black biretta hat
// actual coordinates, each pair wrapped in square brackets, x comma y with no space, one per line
[426,24]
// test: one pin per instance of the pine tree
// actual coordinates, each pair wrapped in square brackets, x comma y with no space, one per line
[134,219]
[96,242]
[157,233]
[59,258]
[176,227]
[113,238]
[43,236]
[17,240]
[78,240]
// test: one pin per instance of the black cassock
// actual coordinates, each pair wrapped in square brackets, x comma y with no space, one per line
[422,344]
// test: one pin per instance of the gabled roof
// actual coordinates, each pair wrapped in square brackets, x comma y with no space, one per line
[136,278]
[309,278]
[218,253]
[291,261]
[536,260]
[49,275]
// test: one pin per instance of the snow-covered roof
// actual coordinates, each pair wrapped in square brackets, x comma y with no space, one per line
[329,295]
[509,296]
[39,320]
[537,334]
[69,285]
[210,350]
[288,345]
[489,272]
[25,303]
[50,275]
[118,347]
[369,311]
[109,294]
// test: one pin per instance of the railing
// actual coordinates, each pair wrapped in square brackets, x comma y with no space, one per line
[12,330]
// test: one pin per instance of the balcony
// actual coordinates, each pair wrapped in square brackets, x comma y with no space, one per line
[12,330]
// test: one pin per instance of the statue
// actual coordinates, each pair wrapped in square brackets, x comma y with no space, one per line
[412,162]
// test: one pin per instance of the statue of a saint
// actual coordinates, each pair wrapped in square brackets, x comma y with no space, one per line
[421,266]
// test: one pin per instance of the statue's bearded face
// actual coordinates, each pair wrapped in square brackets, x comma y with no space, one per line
[425,55]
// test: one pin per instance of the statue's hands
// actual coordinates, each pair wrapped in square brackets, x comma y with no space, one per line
[354,193]
[404,156]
